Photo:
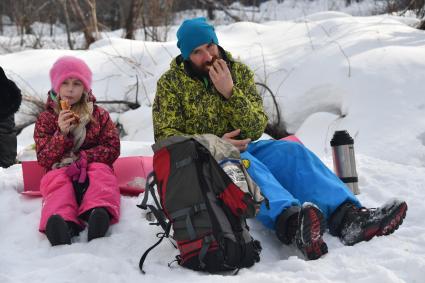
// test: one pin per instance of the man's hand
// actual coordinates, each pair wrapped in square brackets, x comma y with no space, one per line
[221,78]
[239,144]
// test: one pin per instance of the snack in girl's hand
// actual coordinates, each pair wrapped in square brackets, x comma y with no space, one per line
[65,106]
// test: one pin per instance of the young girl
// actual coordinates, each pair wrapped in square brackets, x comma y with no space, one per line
[77,147]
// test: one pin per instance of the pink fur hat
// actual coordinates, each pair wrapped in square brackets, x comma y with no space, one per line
[70,67]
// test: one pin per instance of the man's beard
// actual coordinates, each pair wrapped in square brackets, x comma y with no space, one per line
[201,71]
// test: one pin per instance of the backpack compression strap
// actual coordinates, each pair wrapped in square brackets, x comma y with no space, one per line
[187,213]
[161,237]
[156,210]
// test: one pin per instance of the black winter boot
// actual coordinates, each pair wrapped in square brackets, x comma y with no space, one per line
[287,224]
[57,231]
[98,223]
[305,226]
[353,224]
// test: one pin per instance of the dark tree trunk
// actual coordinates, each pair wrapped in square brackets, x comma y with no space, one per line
[422,25]
[133,16]
[68,32]
[87,29]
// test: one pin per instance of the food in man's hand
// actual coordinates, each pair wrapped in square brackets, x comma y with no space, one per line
[65,106]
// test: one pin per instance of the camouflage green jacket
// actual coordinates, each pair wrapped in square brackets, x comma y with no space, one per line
[185,105]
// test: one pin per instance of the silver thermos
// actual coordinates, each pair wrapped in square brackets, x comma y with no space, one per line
[344,160]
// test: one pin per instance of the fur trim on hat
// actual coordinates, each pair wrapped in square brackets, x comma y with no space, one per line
[70,67]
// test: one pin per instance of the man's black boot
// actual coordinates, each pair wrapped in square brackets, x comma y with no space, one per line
[98,223]
[287,224]
[57,231]
[353,224]
[304,226]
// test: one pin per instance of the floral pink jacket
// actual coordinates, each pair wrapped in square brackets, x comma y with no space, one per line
[102,143]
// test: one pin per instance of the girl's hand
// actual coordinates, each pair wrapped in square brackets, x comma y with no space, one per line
[65,121]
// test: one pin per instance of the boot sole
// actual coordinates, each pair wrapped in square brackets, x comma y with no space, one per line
[57,231]
[313,225]
[98,224]
[391,223]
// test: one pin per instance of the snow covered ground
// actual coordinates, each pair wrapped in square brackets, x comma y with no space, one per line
[329,71]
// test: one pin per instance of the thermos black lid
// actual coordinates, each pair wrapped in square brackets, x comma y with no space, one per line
[341,138]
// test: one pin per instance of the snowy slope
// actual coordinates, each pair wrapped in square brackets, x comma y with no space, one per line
[330,71]
[271,10]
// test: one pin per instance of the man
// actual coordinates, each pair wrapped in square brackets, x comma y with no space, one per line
[206,91]
[10,100]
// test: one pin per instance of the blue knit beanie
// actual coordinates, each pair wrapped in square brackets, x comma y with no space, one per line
[193,33]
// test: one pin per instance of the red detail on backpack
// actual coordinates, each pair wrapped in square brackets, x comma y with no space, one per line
[189,249]
[161,165]
[233,197]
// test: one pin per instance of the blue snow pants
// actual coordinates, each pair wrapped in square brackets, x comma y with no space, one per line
[288,175]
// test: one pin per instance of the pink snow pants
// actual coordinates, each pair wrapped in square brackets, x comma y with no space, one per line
[59,197]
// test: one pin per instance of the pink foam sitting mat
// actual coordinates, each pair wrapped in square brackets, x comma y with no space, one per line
[131,173]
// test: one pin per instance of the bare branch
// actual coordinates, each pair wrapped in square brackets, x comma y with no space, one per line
[131,105]
[67,25]
[220,6]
